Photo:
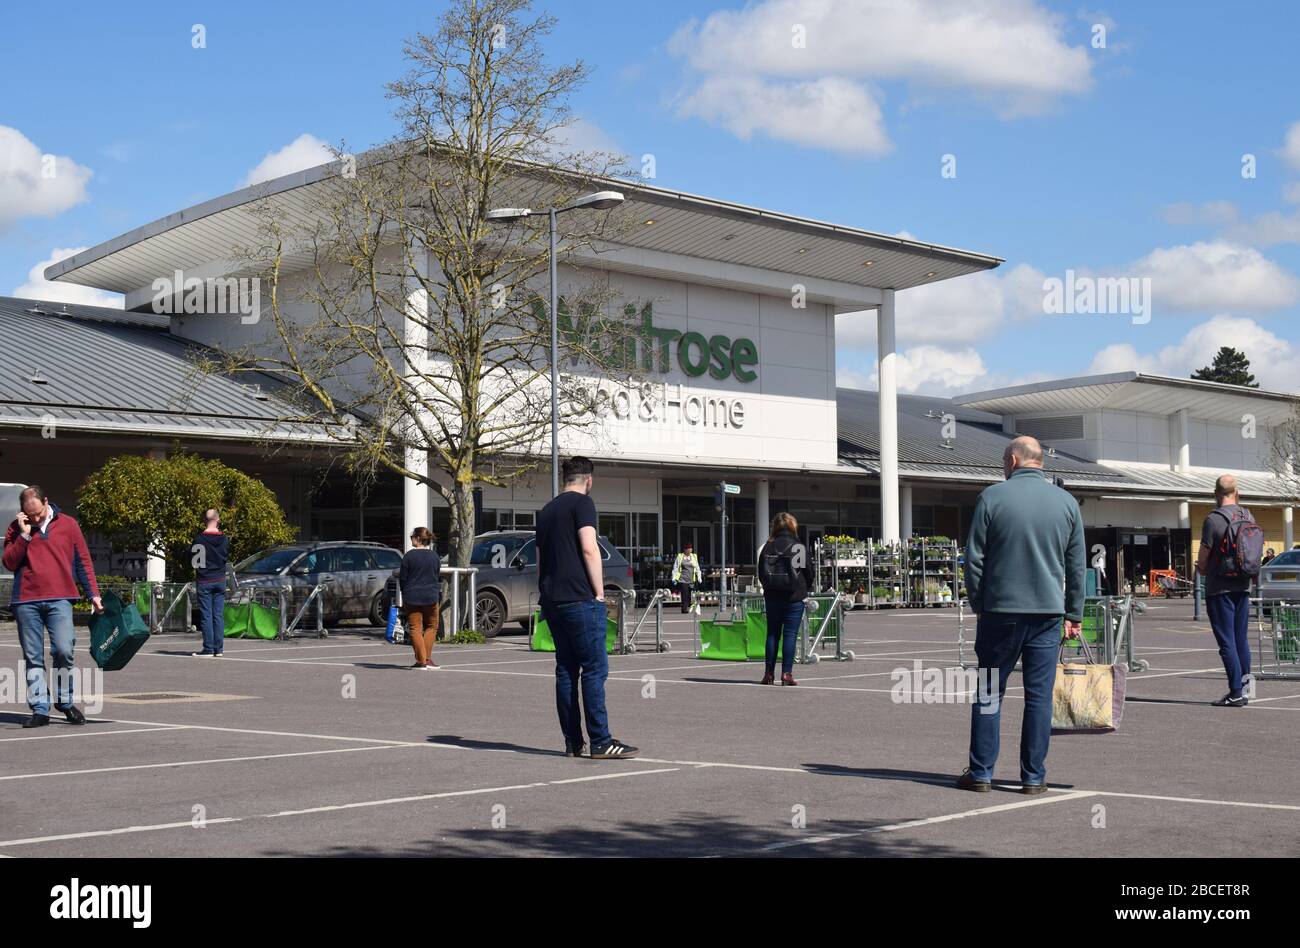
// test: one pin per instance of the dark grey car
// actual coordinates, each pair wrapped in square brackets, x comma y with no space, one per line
[354,574]
[507,576]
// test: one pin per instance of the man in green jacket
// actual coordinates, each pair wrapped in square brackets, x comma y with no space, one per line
[1025,564]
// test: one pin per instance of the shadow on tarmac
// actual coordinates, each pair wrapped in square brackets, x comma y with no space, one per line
[683,835]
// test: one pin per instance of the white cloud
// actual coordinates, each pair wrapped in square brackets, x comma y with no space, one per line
[1186,214]
[829,112]
[305,151]
[929,370]
[1011,54]
[1272,358]
[1210,275]
[1291,146]
[961,311]
[1291,193]
[30,186]
[1267,229]
[39,288]
[581,135]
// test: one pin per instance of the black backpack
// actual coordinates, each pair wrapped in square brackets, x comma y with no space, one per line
[1241,551]
[780,568]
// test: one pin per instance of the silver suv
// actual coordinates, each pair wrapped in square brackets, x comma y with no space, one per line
[507,577]
[355,574]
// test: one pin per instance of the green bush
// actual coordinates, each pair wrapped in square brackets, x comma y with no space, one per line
[157,504]
[466,637]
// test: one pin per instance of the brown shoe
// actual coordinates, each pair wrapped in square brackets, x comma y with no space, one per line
[431,664]
[1031,789]
[768,679]
[788,679]
[967,782]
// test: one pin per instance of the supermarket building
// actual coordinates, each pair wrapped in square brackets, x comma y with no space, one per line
[741,387]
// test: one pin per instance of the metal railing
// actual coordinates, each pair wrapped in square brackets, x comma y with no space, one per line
[1279,642]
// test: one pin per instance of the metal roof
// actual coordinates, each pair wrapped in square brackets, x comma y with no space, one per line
[90,368]
[683,223]
[1199,481]
[974,453]
[1137,391]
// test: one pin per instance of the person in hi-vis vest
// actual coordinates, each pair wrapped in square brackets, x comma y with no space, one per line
[686,573]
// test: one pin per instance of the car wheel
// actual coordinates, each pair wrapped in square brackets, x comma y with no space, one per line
[379,610]
[489,613]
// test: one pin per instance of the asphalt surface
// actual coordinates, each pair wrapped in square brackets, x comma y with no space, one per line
[335,747]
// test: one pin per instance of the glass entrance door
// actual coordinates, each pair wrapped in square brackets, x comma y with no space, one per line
[700,534]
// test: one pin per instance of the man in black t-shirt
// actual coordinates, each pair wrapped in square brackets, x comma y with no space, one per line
[571,584]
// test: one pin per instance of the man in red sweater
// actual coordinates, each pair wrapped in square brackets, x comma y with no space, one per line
[47,554]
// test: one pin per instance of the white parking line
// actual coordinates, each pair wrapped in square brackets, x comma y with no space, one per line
[332,808]
[928,821]
[81,733]
[193,763]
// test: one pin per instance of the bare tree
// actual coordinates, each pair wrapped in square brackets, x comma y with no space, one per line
[405,319]
[1284,454]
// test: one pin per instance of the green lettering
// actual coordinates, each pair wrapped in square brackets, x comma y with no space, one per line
[700,366]
[720,366]
[744,353]
[665,336]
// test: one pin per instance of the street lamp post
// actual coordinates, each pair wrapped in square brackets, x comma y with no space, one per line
[600,201]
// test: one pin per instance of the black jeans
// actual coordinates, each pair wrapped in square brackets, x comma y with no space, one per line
[685,590]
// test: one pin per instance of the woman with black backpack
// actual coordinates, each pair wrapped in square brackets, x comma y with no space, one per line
[785,573]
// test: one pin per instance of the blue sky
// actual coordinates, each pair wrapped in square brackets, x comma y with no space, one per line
[1117,161]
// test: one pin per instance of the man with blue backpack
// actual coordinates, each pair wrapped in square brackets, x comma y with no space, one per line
[1232,548]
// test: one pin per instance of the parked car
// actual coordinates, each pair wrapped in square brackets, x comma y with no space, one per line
[506,582]
[1280,577]
[354,572]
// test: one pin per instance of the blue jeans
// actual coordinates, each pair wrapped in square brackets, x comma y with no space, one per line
[578,629]
[1230,619]
[1000,639]
[212,615]
[34,618]
[783,618]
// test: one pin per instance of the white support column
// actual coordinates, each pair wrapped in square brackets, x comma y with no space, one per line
[155,566]
[416,506]
[1288,527]
[888,374]
[1184,514]
[762,513]
[416,500]
[1183,442]
[905,511]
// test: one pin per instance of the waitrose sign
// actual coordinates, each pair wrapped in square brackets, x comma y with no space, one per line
[652,348]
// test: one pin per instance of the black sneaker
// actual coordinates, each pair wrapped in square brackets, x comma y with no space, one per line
[1227,701]
[574,750]
[73,714]
[614,750]
[37,720]
[967,782]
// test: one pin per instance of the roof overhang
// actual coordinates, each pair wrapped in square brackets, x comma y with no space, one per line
[729,242]
[1137,391]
